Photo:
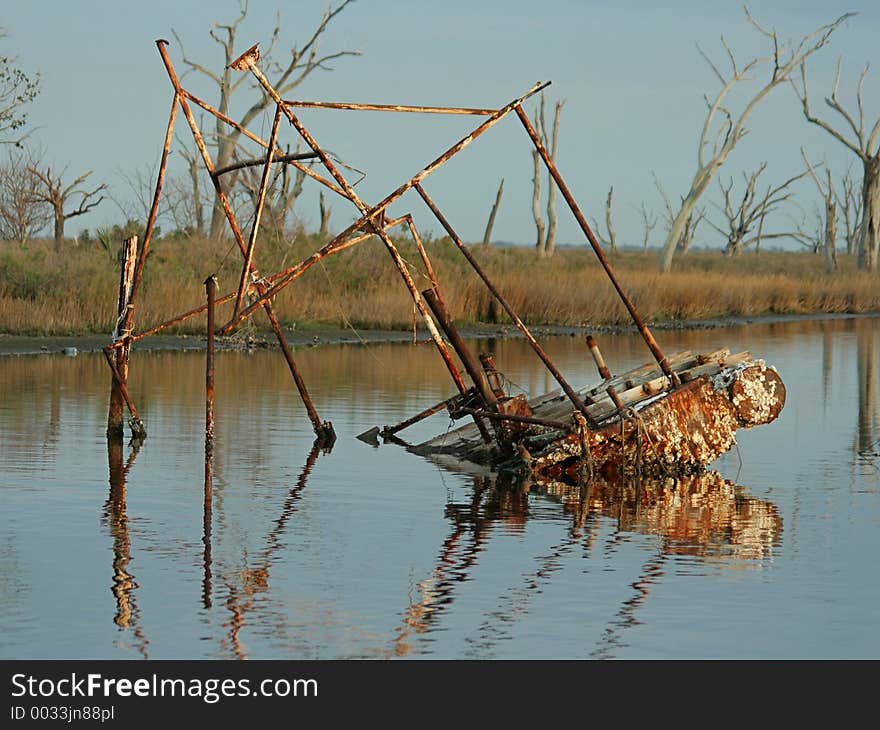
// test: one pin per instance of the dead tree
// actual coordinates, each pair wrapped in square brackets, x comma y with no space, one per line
[688,228]
[540,243]
[717,140]
[545,246]
[829,232]
[746,219]
[849,201]
[325,211]
[22,213]
[281,195]
[487,236]
[649,223]
[609,241]
[302,62]
[51,190]
[551,186]
[185,198]
[866,146]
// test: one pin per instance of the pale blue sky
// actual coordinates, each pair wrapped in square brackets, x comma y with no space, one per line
[630,72]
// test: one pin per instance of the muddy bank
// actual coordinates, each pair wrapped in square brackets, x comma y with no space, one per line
[75,344]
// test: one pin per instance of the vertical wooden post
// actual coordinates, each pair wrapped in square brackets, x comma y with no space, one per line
[126,280]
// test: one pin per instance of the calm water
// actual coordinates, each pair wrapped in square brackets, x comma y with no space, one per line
[375,552]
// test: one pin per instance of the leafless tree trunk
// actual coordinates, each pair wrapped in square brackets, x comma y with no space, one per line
[325,211]
[52,190]
[609,242]
[302,62]
[281,195]
[540,244]
[829,238]
[867,148]
[849,201]
[749,216]
[716,144]
[551,185]
[487,236]
[22,213]
[688,228]
[649,222]
[545,246]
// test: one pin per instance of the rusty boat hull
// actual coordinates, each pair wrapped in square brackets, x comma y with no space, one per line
[646,422]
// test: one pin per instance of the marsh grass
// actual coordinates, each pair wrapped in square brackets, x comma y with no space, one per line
[44,293]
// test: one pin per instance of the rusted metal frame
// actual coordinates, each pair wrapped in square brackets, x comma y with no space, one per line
[258,211]
[282,278]
[597,248]
[390,108]
[220,171]
[324,430]
[492,415]
[429,269]
[438,307]
[254,138]
[430,411]
[478,377]
[492,374]
[442,159]
[569,391]
[248,61]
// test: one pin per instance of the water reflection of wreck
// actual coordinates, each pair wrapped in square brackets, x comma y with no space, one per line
[701,515]
[128,614]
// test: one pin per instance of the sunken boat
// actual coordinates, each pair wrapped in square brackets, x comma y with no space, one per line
[644,421]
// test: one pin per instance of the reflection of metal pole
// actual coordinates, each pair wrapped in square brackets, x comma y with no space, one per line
[600,254]
[211,290]
[572,396]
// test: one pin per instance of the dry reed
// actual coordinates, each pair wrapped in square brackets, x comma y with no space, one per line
[44,293]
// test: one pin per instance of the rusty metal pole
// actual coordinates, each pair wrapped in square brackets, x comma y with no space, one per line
[488,363]
[210,292]
[569,391]
[258,212]
[151,222]
[600,254]
[478,377]
[604,372]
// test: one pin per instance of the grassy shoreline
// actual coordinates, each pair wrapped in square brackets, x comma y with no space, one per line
[43,293]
